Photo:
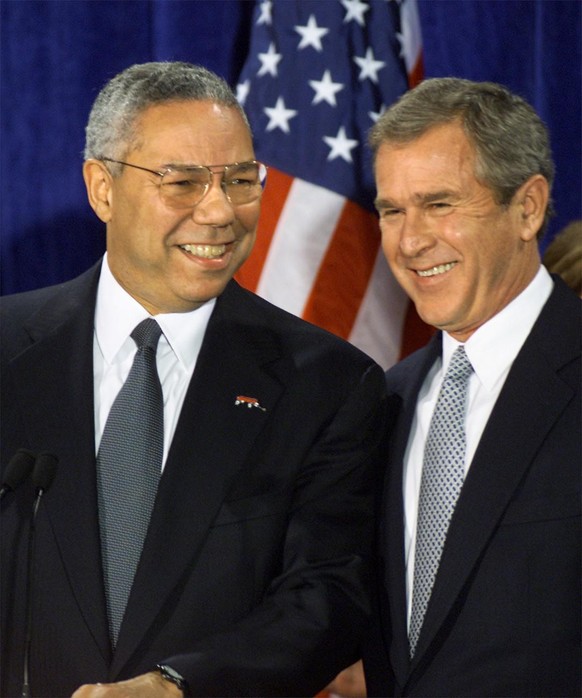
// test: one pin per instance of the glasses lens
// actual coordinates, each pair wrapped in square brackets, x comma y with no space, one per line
[244,181]
[186,187]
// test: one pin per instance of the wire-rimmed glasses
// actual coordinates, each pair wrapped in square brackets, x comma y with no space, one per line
[184,187]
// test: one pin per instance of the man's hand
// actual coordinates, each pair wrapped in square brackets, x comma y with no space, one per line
[150,685]
[349,683]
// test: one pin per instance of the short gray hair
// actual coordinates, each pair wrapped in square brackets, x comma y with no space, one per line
[111,131]
[511,141]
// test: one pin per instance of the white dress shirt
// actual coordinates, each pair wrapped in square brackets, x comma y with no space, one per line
[116,316]
[491,350]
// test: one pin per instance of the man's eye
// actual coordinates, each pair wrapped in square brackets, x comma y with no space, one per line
[185,183]
[240,182]
[388,212]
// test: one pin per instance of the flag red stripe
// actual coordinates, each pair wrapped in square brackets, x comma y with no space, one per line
[345,271]
[415,333]
[274,197]
[417,73]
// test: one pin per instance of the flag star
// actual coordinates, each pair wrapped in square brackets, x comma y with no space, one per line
[369,66]
[375,115]
[401,41]
[242,91]
[279,116]
[311,34]
[325,89]
[266,8]
[341,146]
[355,10]
[269,61]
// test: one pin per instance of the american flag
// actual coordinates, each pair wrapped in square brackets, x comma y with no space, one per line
[318,74]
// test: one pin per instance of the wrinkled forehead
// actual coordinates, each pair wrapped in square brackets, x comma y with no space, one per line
[444,148]
[192,132]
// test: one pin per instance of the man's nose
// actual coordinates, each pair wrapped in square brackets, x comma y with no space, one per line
[415,234]
[215,208]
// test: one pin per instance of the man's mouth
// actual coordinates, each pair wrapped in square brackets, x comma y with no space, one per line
[205,251]
[435,271]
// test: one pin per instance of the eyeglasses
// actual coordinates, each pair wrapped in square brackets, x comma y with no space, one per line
[184,187]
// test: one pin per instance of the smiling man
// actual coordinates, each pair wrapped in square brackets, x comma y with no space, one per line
[208,532]
[478,589]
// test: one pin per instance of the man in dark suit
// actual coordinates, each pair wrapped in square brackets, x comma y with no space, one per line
[478,592]
[253,573]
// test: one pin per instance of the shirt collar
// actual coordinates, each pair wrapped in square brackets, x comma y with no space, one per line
[494,346]
[117,314]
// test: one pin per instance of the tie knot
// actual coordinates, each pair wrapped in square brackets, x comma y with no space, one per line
[147,334]
[460,367]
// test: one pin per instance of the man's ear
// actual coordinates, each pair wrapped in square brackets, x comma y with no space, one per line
[533,198]
[98,181]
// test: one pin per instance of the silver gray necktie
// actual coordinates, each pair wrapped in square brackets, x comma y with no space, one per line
[129,464]
[443,473]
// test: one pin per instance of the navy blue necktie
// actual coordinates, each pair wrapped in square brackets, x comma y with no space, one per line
[129,464]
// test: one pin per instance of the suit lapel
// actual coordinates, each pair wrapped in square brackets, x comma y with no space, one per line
[211,443]
[504,455]
[59,362]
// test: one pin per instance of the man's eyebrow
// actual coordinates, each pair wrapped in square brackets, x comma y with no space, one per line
[431,196]
[384,203]
[420,198]
[178,166]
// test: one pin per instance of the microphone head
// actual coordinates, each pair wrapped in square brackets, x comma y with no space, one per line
[44,471]
[18,469]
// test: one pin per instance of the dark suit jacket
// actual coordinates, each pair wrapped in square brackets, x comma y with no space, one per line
[252,575]
[504,616]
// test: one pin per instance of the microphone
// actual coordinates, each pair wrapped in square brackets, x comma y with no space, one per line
[43,474]
[18,469]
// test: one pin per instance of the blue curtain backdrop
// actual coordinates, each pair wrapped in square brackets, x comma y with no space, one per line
[56,54]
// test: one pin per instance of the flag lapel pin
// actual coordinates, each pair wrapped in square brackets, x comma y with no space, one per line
[249,402]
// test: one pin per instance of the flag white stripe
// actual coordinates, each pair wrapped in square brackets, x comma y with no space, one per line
[295,253]
[411,34]
[380,321]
